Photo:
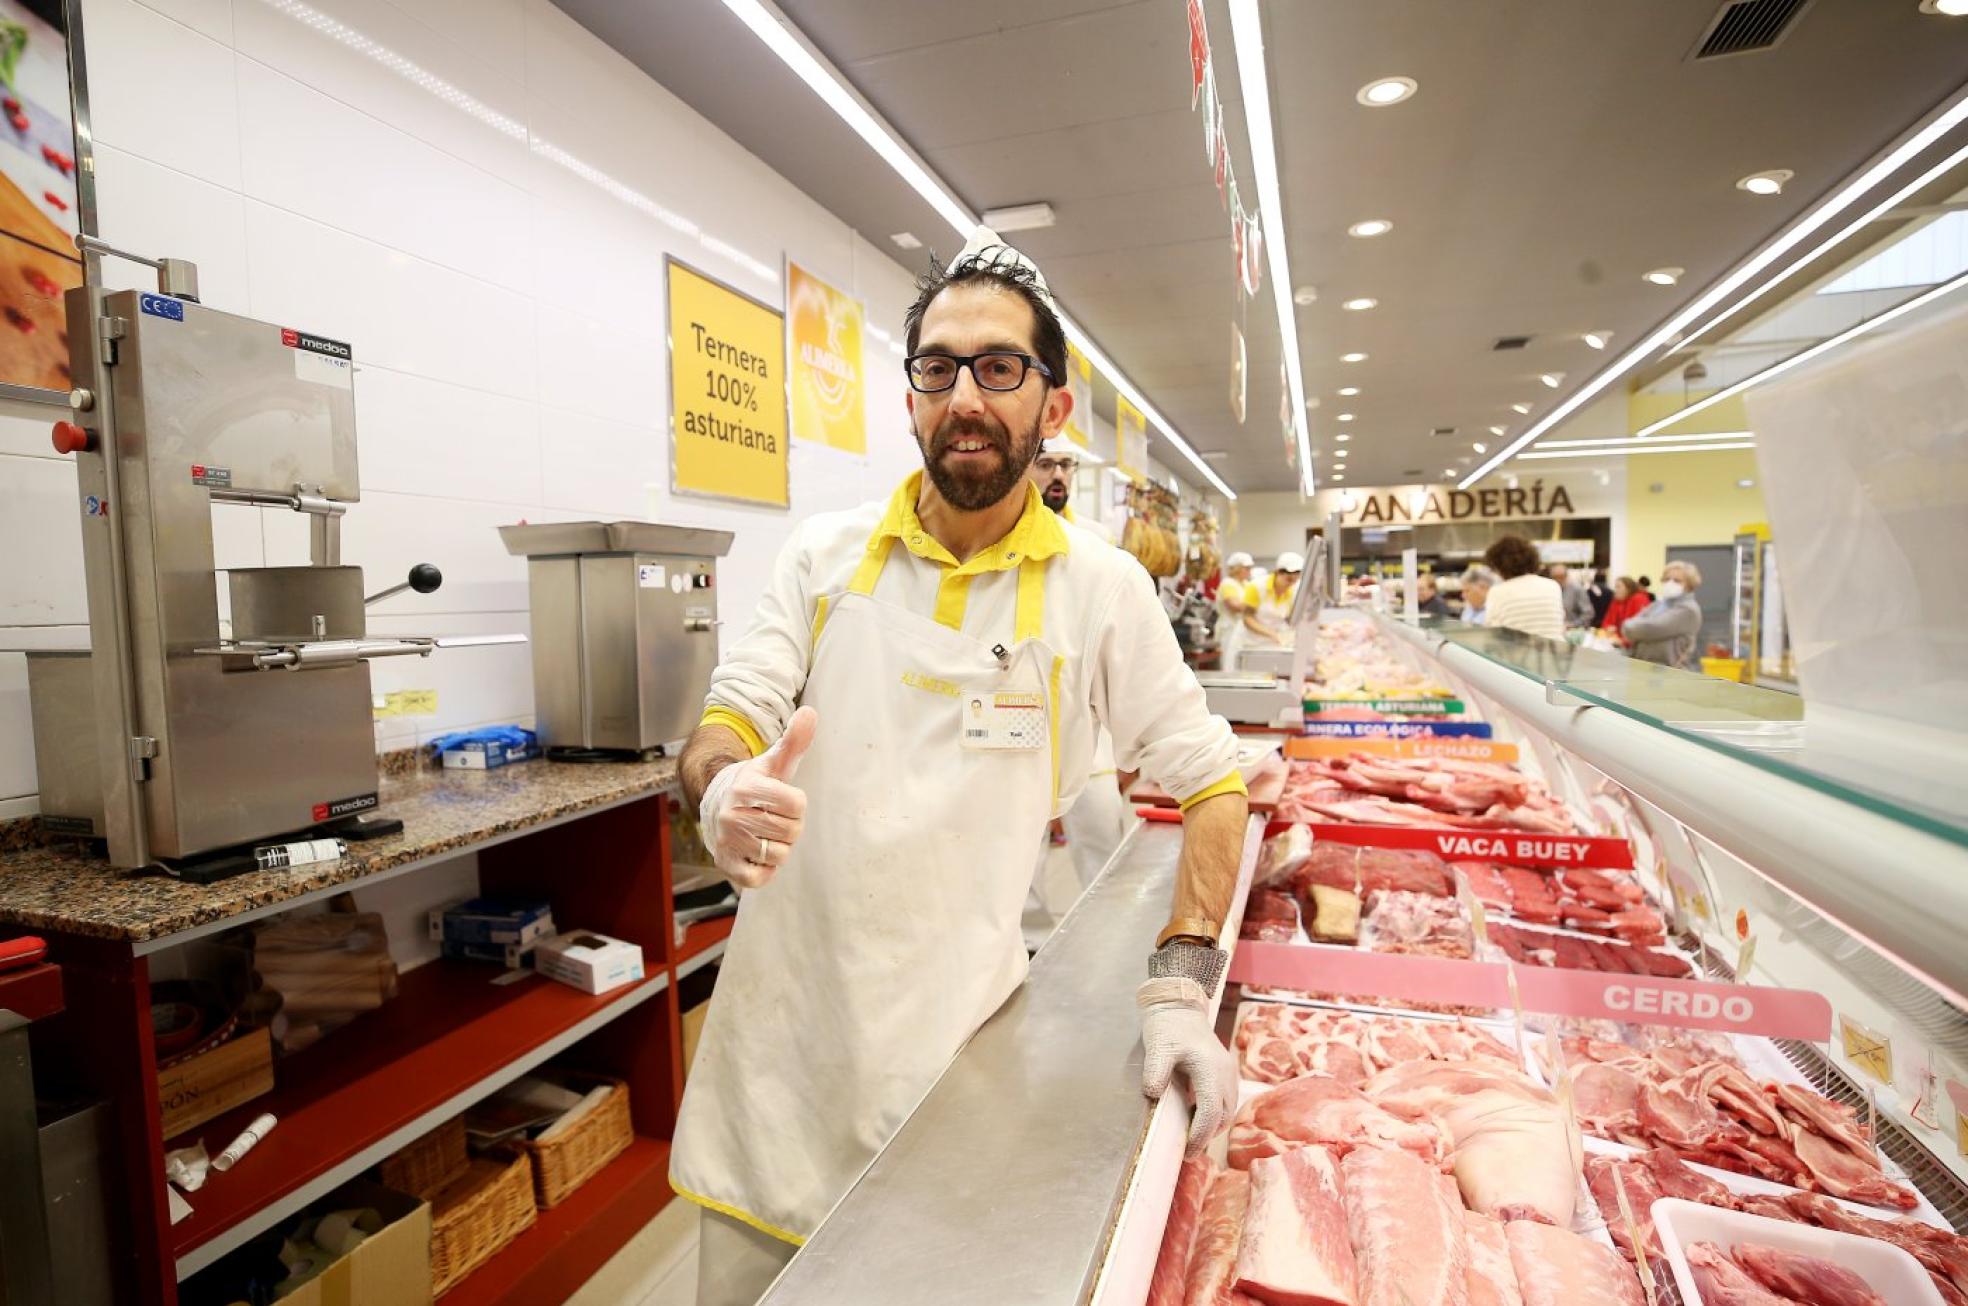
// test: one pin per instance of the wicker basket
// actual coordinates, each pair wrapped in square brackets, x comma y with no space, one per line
[431,1162]
[570,1160]
[479,1213]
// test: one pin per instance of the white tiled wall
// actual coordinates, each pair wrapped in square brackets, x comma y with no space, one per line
[479,196]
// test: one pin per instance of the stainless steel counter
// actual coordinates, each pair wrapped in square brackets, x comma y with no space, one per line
[1005,1184]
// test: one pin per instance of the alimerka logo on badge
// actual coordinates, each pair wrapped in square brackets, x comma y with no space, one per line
[315,344]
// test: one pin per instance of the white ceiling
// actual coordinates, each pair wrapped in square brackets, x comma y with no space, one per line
[1555,151]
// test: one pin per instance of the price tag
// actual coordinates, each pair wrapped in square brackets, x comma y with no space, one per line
[1744,957]
[406,702]
[1742,924]
[1869,1051]
[1640,1257]
[1699,902]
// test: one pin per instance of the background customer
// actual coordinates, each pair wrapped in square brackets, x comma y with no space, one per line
[1476,583]
[1577,603]
[1522,600]
[1669,630]
[1628,602]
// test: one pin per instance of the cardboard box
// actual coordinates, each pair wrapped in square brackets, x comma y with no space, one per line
[492,920]
[212,1083]
[693,1029]
[487,757]
[390,1268]
[590,962]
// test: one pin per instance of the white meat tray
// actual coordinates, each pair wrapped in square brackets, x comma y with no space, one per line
[1888,1270]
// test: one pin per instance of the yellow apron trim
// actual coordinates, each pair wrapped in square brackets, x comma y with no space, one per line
[1052,699]
[744,1217]
[736,723]
[1229,784]
[872,562]
[952,597]
[819,623]
[1030,622]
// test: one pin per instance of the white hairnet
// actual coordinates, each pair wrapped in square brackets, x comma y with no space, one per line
[1237,560]
[1291,562]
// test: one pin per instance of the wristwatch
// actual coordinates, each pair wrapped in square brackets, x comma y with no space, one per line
[1194,929]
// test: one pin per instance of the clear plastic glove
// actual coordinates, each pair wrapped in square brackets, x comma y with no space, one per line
[752,812]
[1176,1035]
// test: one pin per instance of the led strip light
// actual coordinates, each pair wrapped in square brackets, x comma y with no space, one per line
[1825,346]
[798,54]
[1247,34]
[1651,446]
[1847,195]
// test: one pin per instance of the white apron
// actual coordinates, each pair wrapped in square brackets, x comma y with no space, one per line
[892,930]
[1231,634]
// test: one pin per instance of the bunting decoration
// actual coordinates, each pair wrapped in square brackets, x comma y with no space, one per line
[1246,232]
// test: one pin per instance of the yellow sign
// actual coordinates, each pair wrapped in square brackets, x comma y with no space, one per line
[727,392]
[1130,436]
[1079,380]
[1870,1052]
[406,702]
[826,359]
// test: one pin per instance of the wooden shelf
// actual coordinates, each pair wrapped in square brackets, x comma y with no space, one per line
[449,1037]
[575,1239]
[702,935]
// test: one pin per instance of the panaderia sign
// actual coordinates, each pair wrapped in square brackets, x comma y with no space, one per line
[1415,504]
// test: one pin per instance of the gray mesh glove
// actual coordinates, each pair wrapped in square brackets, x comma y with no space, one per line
[1176,1035]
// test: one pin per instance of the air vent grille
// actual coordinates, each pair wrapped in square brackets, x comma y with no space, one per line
[1742,26]
[1443,430]
[1414,472]
[1511,342]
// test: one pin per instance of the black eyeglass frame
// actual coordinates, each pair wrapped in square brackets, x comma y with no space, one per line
[962,361]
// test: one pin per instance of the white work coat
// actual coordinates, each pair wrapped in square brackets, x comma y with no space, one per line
[892,931]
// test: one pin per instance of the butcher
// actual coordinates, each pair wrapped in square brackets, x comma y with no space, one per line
[918,695]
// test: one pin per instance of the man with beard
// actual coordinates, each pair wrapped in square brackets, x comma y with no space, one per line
[936,668]
[1053,471]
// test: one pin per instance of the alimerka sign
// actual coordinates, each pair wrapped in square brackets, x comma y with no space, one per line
[1440,503]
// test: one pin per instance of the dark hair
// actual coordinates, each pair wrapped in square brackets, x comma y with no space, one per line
[991,264]
[1646,582]
[1512,556]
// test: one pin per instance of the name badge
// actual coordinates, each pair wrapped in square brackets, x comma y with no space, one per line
[1000,719]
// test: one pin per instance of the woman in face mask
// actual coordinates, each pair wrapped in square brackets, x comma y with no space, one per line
[1669,630]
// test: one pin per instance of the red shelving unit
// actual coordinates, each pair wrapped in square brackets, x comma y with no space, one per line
[704,934]
[449,1029]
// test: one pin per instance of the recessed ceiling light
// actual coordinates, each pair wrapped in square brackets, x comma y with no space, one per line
[1480,447]
[1384,91]
[1360,305]
[1448,471]
[1947,8]
[1343,436]
[1311,403]
[1520,408]
[1352,358]
[1305,295]
[1597,339]
[1496,430]
[1370,227]
[1344,417]
[1663,276]
[1553,379]
[1349,390]
[1341,453]
[1746,483]
[1339,476]
[1766,183]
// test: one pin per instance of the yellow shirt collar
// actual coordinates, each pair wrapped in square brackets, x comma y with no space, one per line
[1036,534]
[1067,513]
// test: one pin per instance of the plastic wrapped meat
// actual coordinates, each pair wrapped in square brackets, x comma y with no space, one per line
[1416,924]
[1296,1250]
[1167,1286]
[1282,855]
[1556,1267]
[1407,1231]
[1219,1230]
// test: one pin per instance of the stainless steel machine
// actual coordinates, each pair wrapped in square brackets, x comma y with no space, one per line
[624,631]
[174,735]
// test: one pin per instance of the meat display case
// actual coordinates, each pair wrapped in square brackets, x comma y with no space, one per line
[1033,1171]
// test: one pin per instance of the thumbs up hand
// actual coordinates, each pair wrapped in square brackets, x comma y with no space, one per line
[752,812]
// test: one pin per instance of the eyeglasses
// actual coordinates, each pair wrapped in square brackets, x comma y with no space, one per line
[934,373]
[1050,465]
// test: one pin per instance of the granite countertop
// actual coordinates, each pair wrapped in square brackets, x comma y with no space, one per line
[63,885]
